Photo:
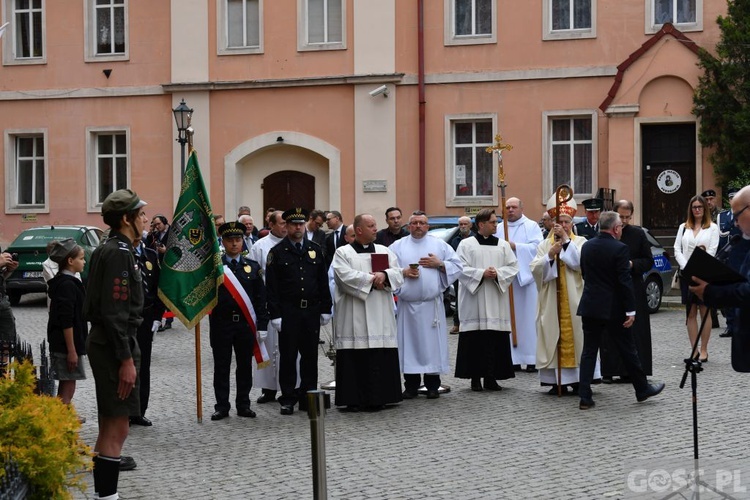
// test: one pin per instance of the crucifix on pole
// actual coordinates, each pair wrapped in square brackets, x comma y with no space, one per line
[499,147]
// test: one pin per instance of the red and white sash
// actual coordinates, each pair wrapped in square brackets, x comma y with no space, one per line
[233,286]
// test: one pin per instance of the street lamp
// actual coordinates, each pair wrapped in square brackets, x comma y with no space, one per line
[182,116]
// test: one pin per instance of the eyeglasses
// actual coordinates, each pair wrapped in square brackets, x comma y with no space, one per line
[736,215]
[697,207]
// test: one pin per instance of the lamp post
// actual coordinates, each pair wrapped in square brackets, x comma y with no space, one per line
[182,116]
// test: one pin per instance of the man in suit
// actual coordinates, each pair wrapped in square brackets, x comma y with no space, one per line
[736,295]
[641,261]
[248,239]
[590,227]
[335,238]
[313,231]
[607,300]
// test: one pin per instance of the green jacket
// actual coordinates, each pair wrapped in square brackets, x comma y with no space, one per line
[114,295]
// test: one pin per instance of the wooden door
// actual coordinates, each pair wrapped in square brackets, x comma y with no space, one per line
[289,189]
[668,175]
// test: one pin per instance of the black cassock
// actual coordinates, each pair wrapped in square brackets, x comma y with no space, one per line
[640,254]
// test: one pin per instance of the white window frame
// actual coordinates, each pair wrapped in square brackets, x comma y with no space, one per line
[547,178]
[10,56]
[652,27]
[449,35]
[89,26]
[222,31]
[451,199]
[302,33]
[11,172]
[92,163]
[570,34]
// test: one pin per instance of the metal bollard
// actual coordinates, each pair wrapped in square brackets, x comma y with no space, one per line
[317,402]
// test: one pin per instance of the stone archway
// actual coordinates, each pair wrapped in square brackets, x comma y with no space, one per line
[240,171]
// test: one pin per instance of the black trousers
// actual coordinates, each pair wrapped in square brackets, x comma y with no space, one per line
[225,336]
[145,340]
[300,331]
[412,380]
[622,338]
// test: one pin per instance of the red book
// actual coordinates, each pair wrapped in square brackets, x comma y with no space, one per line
[379,262]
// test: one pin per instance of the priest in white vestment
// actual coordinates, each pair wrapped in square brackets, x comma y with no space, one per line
[367,366]
[429,266]
[524,236]
[267,378]
[489,267]
[557,263]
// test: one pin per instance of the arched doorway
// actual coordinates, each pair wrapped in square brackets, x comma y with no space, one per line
[287,189]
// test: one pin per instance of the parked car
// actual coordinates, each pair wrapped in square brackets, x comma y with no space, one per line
[31,247]
[657,280]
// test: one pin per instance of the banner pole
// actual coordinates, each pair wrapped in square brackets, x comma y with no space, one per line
[198,383]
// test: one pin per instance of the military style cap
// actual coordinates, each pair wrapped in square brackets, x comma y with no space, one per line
[593,204]
[61,249]
[708,192]
[295,215]
[731,192]
[569,208]
[234,228]
[121,201]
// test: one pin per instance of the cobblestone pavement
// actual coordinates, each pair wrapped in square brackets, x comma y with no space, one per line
[518,443]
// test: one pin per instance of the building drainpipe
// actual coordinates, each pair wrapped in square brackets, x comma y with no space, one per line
[420,51]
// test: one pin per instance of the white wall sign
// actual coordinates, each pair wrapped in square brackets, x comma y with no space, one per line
[461,175]
[375,186]
[669,181]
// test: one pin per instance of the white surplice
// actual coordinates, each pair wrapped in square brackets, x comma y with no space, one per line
[483,305]
[364,316]
[422,339]
[526,235]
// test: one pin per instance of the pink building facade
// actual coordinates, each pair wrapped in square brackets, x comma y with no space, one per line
[352,105]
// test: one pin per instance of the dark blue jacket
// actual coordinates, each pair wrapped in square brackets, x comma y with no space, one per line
[66,294]
[607,283]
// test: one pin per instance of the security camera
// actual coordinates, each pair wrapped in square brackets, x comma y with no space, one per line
[383,89]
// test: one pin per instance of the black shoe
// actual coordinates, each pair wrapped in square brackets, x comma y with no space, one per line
[407,394]
[517,368]
[652,390]
[553,390]
[220,414]
[607,380]
[265,398]
[586,404]
[127,463]
[531,369]
[140,421]
[168,326]
[491,385]
[476,385]
[287,410]
[245,412]
[432,394]
[726,333]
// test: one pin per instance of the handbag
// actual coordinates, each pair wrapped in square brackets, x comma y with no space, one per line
[676,279]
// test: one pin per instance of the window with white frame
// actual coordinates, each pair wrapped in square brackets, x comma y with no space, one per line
[108,164]
[473,174]
[571,151]
[25,36]
[241,26]
[107,30]
[470,22]
[565,19]
[686,15]
[322,24]
[26,171]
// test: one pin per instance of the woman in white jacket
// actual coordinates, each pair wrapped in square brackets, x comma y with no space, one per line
[697,231]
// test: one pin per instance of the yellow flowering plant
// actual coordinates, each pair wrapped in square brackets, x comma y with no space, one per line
[40,434]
